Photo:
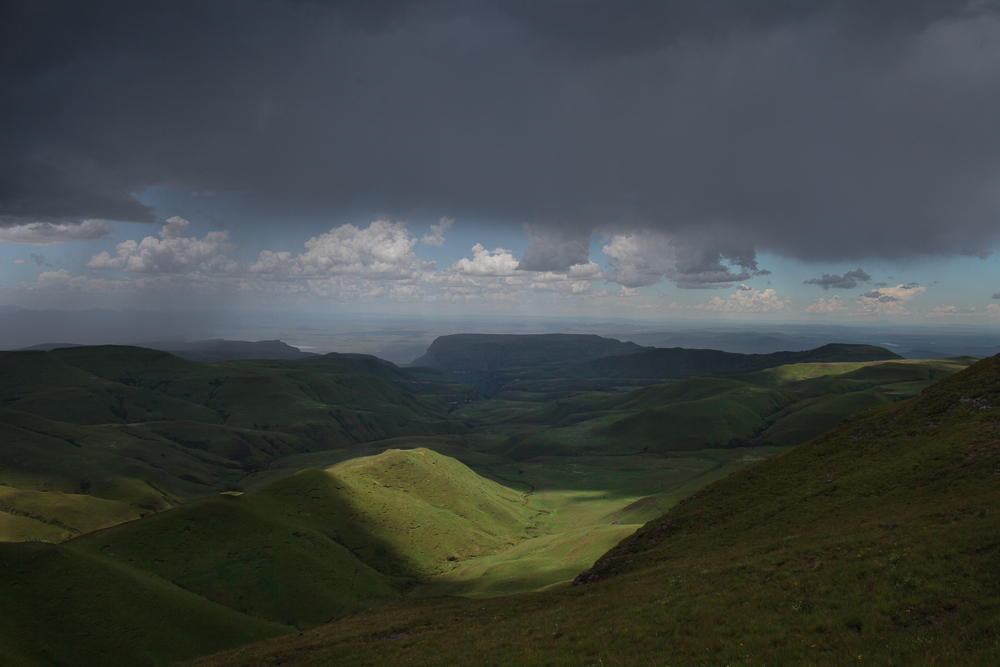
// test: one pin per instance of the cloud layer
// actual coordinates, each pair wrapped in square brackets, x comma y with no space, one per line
[831,130]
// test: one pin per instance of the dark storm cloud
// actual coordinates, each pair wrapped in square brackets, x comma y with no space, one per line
[849,280]
[820,130]
[554,248]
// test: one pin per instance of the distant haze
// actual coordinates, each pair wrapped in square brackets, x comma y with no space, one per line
[402,340]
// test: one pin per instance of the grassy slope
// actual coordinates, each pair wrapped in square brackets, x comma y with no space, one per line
[430,507]
[151,430]
[874,544]
[783,406]
[312,547]
[551,558]
[275,559]
[674,363]
[61,607]
[71,513]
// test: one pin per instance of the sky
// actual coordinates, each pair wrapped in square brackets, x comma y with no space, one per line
[831,161]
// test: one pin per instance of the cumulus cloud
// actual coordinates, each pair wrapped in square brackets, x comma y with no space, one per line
[636,260]
[48,233]
[39,259]
[576,281]
[748,301]
[849,280]
[500,262]
[691,262]
[171,253]
[834,306]
[996,295]
[436,237]
[381,251]
[497,276]
[62,282]
[944,311]
[890,300]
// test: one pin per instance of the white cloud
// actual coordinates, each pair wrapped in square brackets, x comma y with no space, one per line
[19,261]
[495,276]
[578,272]
[171,253]
[820,306]
[644,258]
[636,259]
[748,301]
[890,300]
[62,282]
[47,233]
[382,251]
[500,262]
[436,237]
[944,311]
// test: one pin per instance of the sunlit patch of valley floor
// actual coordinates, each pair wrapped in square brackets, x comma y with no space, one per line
[585,506]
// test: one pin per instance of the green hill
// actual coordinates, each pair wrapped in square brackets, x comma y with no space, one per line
[309,548]
[151,430]
[782,406]
[677,362]
[873,544]
[63,607]
[496,364]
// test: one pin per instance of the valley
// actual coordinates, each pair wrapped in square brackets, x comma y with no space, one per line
[280,495]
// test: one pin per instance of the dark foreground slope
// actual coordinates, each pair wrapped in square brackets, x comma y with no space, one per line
[877,543]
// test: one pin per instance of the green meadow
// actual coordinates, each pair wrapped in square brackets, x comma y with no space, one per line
[280,496]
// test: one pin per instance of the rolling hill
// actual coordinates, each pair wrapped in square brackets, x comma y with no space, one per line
[92,438]
[148,430]
[875,543]
[495,363]
[309,548]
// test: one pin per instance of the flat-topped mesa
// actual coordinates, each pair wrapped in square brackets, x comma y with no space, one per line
[484,352]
